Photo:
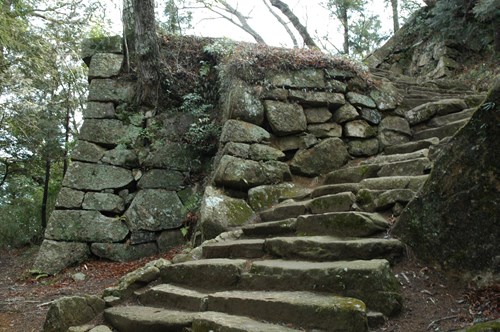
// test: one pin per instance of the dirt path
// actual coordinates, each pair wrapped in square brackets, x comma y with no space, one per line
[433,302]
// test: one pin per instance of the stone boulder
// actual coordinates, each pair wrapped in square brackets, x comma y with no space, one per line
[426,111]
[108,132]
[123,252]
[96,110]
[322,158]
[72,311]
[104,65]
[120,156]
[284,118]
[317,98]
[242,104]
[394,130]
[263,197]
[109,90]
[360,100]
[103,202]
[317,115]
[300,79]
[96,177]
[69,198]
[345,113]
[86,151]
[154,210]
[161,179]
[219,213]
[359,129]
[172,156]
[243,132]
[54,256]
[454,220]
[243,174]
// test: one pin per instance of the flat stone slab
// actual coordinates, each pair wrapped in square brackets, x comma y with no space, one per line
[440,132]
[317,98]
[170,296]
[279,227]
[331,203]
[330,189]
[284,118]
[384,159]
[146,319]
[106,90]
[355,224]
[325,157]
[371,281]
[217,321]
[411,146]
[248,248]
[243,132]
[205,273]
[329,248]
[379,200]
[305,309]
[440,121]
[352,174]
[394,182]
[412,167]
[285,210]
[96,177]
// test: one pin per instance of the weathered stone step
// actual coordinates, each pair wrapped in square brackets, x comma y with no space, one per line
[440,132]
[425,112]
[329,248]
[305,309]
[411,146]
[330,189]
[205,273]
[280,227]
[440,121]
[345,224]
[371,281]
[174,297]
[291,209]
[146,319]
[394,182]
[383,159]
[242,248]
[211,321]
[379,200]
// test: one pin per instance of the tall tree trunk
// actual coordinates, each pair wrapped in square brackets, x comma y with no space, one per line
[395,15]
[45,197]
[147,52]
[66,140]
[302,30]
[283,23]
[345,24]
[128,21]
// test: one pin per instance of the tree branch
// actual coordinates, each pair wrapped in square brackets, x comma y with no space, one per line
[283,23]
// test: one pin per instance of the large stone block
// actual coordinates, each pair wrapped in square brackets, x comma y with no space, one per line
[284,118]
[69,198]
[263,197]
[317,98]
[96,177]
[108,131]
[386,96]
[106,90]
[161,179]
[323,130]
[306,78]
[103,202]
[360,100]
[243,174]
[359,129]
[96,110]
[122,252]
[54,256]
[426,111]
[243,132]
[104,65]
[91,46]
[170,239]
[154,210]
[242,104]
[317,115]
[220,212]
[121,156]
[86,151]
[363,148]
[325,157]
[84,226]
[345,113]
[72,311]
[172,156]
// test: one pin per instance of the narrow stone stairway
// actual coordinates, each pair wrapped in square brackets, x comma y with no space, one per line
[320,261]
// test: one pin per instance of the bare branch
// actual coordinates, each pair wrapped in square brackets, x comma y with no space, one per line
[283,23]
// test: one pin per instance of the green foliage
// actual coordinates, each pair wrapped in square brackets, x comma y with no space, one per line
[177,20]
[220,48]
[365,36]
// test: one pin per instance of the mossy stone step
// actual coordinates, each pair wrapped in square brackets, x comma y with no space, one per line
[440,132]
[211,321]
[146,319]
[440,121]
[393,158]
[305,309]
[352,174]
[371,281]
[174,297]
[205,273]
[330,189]
[346,224]
[394,182]
[379,200]
[271,228]
[284,210]
[329,248]
[411,146]
[243,248]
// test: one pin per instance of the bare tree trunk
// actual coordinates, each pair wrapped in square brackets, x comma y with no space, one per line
[147,52]
[128,21]
[66,140]
[45,197]
[395,15]
[283,7]
[283,23]
[345,23]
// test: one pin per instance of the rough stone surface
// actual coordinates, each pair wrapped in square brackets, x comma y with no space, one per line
[352,174]
[386,97]
[120,156]
[315,98]
[170,239]
[359,128]
[306,78]
[84,226]
[345,113]
[71,311]
[91,46]
[154,210]
[442,107]
[395,123]
[332,203]
[324,130]
[95,110]
[103,202]
[243,132]
[360,100]
[107,131]
[104,65]
[54,256]
[123,252]
[260,152]
[295,142]
[239,173]
[336,86]
[284,118]
[363,148]
[455,205]
[172,156]
[220,212]
[263,197]
[161,179]
[109,90]
[96,177]
[372,116]
[69,198]
[325,157]
[86,151]
[317,115]
[243,104]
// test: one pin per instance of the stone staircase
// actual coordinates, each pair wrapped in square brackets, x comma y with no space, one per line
[320,261]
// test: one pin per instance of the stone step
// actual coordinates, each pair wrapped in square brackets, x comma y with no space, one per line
[211,321]
[305,309]
[329,248]
[242,248]
[174,297]
[345,224]
[147,319]
[210,274]
[352,174]
[292,209]
[280,227]
[380,200]
[330,189]
[440,121]
[413,167]
[394,182]
[371,281]
[411,146]
[384,159]
[440,132]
